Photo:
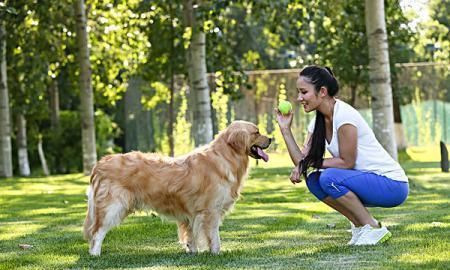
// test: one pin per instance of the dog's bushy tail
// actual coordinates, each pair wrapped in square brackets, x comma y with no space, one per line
[90,215]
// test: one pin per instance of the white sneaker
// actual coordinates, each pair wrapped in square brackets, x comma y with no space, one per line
[356,232]
[372,236]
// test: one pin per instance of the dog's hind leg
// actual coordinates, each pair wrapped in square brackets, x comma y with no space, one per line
[97,240]
[113,216]
[185,235]
[88,221]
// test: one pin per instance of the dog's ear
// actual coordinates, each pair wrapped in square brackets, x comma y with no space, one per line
[238,139]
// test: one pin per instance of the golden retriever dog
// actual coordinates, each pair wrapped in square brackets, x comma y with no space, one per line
[196,190]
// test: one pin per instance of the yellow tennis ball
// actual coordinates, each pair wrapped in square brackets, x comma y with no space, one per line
[285,107]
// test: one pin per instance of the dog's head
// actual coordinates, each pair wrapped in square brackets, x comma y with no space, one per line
[245,137]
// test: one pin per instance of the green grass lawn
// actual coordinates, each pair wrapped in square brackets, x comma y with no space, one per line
[275,225]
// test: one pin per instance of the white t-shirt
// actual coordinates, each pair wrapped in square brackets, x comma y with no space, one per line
[371,156]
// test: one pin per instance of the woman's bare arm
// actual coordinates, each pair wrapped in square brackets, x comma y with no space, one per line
[348,141]
[295,152]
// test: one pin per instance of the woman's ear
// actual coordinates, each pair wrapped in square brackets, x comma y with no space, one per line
[323,91]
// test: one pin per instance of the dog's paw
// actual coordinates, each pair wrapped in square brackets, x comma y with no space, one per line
[215,252]
[191,249]
[95,252]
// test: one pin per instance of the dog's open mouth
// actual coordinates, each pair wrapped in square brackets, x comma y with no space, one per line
[256,152]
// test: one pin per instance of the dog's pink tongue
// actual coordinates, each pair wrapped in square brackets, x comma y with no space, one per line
[263,155]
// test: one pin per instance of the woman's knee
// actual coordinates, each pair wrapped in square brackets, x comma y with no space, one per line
[312,182]
[330,182]
[328,176]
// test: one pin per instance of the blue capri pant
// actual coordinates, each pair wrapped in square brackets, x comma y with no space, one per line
[372,189]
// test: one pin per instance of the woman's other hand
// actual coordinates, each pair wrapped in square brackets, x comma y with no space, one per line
[295,176]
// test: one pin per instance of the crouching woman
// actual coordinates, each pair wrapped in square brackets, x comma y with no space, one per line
[359,174]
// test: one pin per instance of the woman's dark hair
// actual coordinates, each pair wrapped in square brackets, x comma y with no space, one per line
[319,77]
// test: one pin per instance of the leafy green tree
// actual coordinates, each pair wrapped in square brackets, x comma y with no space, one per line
[440,12]
[119,46]
[434,33]
[45,25]
[166,60]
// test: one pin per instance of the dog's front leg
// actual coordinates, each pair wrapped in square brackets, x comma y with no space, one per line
[200,231]
[213,233]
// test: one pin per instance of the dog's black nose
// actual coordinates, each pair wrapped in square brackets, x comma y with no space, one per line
[271,139]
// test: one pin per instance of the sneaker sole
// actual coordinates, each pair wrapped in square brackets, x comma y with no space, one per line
[385,237]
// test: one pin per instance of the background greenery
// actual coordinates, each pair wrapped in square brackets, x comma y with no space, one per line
[138,49]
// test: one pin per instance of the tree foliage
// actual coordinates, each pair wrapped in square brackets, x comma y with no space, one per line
[147,39]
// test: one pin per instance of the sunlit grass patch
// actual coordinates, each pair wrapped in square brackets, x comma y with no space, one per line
[13,230]
[434,254]
[429,226]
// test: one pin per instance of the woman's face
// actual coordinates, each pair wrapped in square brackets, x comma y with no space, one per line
[307,95]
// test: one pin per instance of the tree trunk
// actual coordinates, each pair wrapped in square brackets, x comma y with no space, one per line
[353,94]
[444,157]
[132,108]
[86,93]
[22,150]
[400,137]
[138,133]
[354,88]
[172,85]
[54,103]
[196,63]
[5,126]
[379,74]
[42,157]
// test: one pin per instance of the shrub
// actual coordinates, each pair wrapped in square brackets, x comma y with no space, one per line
[62,146]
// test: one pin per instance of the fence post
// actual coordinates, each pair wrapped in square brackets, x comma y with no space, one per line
[444,157]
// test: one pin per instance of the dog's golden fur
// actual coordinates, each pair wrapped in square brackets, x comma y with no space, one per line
[195,190]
